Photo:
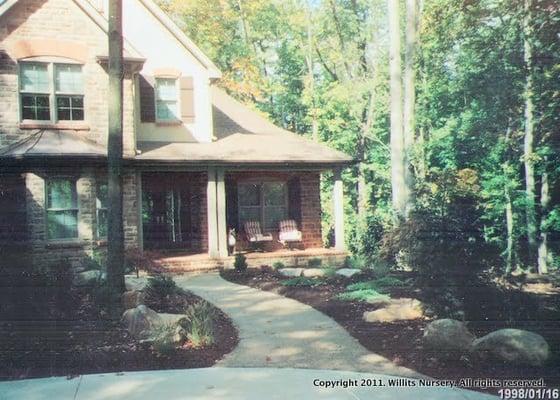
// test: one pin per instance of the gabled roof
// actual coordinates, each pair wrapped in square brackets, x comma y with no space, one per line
[244,137]
[47,143]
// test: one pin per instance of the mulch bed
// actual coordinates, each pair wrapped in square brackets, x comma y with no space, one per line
[401,341]
[82,339]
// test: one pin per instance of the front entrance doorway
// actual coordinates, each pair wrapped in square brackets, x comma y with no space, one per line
[168,204]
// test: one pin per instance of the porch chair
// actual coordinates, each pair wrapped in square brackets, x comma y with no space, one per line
[254,234]
[289,233]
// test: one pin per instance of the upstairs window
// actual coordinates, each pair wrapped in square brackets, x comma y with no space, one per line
[51,92]
[167,100]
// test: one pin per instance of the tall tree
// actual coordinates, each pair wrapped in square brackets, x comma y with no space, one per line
[529,138]
[115,235]
[409,97]
[398,183]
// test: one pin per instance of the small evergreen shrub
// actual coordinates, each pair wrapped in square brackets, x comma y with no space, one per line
[240,263]
[163,339]
[199,324]
[301,281]
[362,295]
[278,265]
[160,288]
[314,262]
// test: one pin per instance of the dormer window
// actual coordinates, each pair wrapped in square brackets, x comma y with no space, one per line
[167,100]
[51,92]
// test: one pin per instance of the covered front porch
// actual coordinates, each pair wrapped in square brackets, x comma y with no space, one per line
[189,217]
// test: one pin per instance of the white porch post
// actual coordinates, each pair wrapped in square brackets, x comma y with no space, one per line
[221,213]
[212,214]
[338,211]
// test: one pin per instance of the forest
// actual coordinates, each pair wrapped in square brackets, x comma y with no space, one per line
[451,110]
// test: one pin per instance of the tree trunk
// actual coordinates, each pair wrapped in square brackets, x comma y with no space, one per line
[528,145]
[397,140]
[311,77]
[542,266]
[115,235]
[409,99]
[509,206]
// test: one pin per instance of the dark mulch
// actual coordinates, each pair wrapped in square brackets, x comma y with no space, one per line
[71,335]
[401,342]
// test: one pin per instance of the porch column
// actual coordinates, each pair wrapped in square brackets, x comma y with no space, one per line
[338,211]
[221,212]
[212,214]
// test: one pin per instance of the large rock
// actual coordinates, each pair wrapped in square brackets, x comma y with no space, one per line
[514,346]
[448,336]
[348,272]
[313,272]
[132,299]
[88,278]
[397,310]
[140,321]
[290,272]
[135,283]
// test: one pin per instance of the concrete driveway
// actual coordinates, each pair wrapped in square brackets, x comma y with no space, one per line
[229,384]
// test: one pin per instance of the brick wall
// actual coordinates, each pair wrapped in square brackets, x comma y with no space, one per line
[63,22]
[311,209]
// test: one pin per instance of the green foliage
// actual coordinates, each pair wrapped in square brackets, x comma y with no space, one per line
[365,295]
[199,324]
[160,288]
[240,263]
[278,265]
[314,262]
[301,281]
[379,285]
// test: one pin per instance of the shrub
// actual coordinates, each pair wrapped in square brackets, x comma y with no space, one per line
[160,288]
[362,295]
[278,265]
[301,281]
[314,262]
[240,263]
[355,262]
[199,324]
[329,270]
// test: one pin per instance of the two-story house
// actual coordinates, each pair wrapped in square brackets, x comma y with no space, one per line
[197,162]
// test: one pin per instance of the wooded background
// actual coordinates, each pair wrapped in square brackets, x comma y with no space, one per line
[451,108]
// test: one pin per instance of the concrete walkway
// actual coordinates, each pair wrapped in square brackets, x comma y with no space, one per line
[229,384]
[275,331]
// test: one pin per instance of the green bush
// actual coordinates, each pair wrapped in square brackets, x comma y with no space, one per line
[160,288]
[362,295]
[379,285]
[314,262]
[301,281]
[240,263]
[278,265]
[199,324]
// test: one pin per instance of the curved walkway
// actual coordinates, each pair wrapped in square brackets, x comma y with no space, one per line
[275,331]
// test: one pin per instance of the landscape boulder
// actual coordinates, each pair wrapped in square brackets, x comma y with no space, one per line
[313,272]
[348,272]
[396,310]
[448,337]
[88,278]
[132,299]
[513,346]
[141,321]
[290,272]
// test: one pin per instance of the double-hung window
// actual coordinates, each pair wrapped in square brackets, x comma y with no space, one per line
[62,208]
[167,100]
[51,92]
[266,202]
[101,209]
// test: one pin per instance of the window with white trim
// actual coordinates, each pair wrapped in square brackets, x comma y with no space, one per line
[62,208]
[167,99]
[266,202]
[51,92]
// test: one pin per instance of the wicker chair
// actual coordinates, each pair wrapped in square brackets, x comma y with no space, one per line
[254,234]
